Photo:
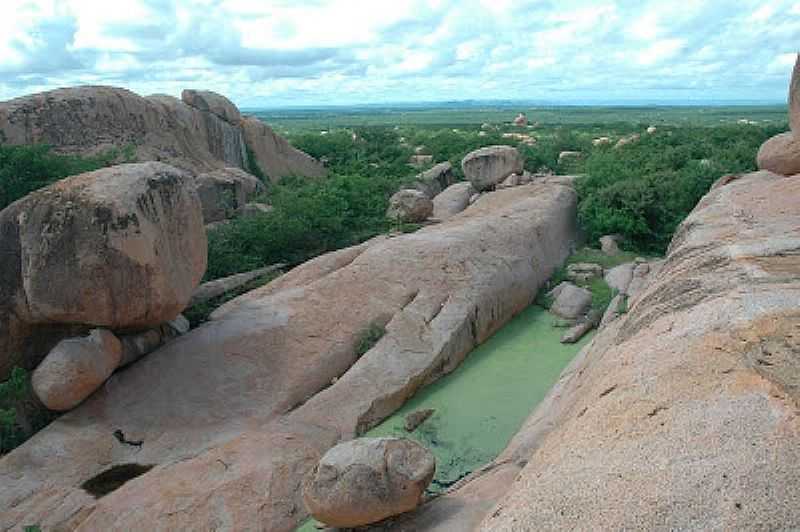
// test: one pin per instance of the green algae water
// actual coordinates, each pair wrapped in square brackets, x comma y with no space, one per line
[483,403]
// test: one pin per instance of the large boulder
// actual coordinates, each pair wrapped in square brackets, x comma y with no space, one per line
[452,200]
[435,180]
[366,480]
[487,167]
[214,103]
[275,157]
[619,277]
[75,368]
[122,248]
[571,302]
[410,206]
[234,414]
[780,154]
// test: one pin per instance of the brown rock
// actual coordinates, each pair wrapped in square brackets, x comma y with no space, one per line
[75,368]
[275,156]
[366,480]
[225,192]
[214,103]
[435,180]
[486,167]
[411,206]
[122,247]
[417,418]
[794,99]
[780,154]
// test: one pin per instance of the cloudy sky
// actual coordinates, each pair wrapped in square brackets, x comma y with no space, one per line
[311,52]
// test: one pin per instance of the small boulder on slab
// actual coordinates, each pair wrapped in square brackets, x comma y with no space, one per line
[571,302]
[366,480]
[452,200]
[780,154]
[75,368]
[434,181]
[409,206]
[487,167]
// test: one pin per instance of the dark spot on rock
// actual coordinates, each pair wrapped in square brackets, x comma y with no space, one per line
[113,478]
[738,505]
[608,391]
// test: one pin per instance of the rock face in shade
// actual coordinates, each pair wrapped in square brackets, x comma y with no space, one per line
[681,413]
[780,154]
[366,480]
[435,180]
[236,413]
[75,368]
[487,167]
[122,248]
[452,200]
[214,103]
[224,193]
[274,155]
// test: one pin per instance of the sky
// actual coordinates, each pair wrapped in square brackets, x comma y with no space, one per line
[274,53]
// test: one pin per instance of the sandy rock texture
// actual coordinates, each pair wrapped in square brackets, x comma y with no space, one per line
[680,414]
[234,414]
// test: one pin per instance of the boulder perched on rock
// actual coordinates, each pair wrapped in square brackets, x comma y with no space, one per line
[366,480]
[273,154]
[452,200]
[122,248]
[225,192]
[487,167]
[75,368]
[571,302]
[214,103]
[581,272]
[435,180]
[780,154]
[410,206]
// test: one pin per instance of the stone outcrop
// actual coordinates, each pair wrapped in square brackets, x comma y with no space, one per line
[681,413]
[75,368]
[487,167]
[275,156]
[224,193]
[366,480]
[410,206]
[121,248]
[203,132]
[452,200]
[781,153]
[234,414]
[435,180]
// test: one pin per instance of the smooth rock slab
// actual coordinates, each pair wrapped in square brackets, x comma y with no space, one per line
[452,200]
[366,480]
[75,368]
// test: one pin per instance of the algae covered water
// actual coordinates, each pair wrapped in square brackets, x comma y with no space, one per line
[482,404]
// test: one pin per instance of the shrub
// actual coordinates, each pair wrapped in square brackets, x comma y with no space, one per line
[369,337]
[21,415]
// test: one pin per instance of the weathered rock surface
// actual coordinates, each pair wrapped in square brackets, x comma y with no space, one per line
[571,302]
[366,480]
[680,414]
[225,192]
[435,180]
[75,368]
[610,245]
[581,329]
[780,154]
[582,272]
[217,287]
[452,200]
[137,345]
[234,414]
[794,99]
[122,248]
[409,206]
[619,277]
[214,103]
[486,167]
[274,155]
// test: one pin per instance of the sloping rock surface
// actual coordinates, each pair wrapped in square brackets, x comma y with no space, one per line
[234,414]
[794,99]
[275,156]
[681,414]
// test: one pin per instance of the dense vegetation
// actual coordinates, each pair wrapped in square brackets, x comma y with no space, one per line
[24,169]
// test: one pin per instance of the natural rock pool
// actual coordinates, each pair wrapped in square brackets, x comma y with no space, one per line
[482,404]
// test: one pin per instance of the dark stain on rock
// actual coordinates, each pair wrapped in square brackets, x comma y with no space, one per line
[113,478]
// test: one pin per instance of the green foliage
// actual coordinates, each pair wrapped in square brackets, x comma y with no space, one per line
[369,337]
[645,189]
[253,166]
[24,169]
[21,415]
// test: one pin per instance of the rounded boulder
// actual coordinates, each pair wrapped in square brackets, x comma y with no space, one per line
[410,206]
[780,154]
[487,167]
[367,480]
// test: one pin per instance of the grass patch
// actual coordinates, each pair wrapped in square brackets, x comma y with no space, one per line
[369,337]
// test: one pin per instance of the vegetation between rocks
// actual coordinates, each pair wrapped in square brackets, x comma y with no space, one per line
[21,415]
[369,337]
